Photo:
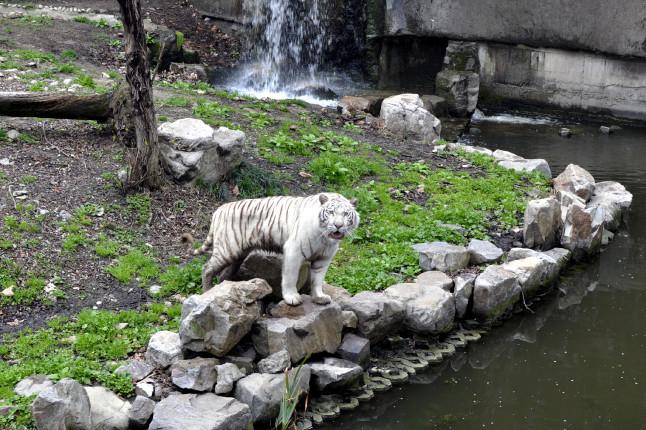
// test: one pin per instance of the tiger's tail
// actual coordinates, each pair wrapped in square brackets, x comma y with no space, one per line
[208,242]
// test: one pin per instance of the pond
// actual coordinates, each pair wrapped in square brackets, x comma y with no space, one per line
[577,361]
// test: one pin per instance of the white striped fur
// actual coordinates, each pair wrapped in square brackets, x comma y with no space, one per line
[302,228]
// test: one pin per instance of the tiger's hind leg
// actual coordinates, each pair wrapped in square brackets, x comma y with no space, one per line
[216,264]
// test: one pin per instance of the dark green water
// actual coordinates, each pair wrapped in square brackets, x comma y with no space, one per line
[577,362]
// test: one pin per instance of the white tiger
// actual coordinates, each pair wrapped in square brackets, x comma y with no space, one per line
[302,228]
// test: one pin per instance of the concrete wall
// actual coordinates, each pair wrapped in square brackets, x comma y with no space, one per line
[227,10]
[613,27]
[568,79]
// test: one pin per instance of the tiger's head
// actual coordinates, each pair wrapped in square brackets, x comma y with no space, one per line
[338,216]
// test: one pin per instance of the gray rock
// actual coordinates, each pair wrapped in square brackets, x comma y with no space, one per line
[542,224]
[476,150]
[268,266]
[145,388]
[501,155]
[351,104]
[532,273]
[228,374]
[436,279]
[436,105]
[137,369]
[337,294]
[200,412]
[218,319]
[109,411]
[576,180]
[334,373]
[406,291]
[567,198]
[196,374]
[193,150]
[463,293]
[560,255]
[263,392]
[164,349]
[63,406]
[495,290]
[141,412]
[355,349]
[605,129]
[460,89]
[244,363]
[565,132]
[615,200]
[534,165]
[442,256]
[350,319]
[275,363]
[483,251]
[302,330]
[428,309]
[32,385]
[404,115]
[378,314]
[583,230]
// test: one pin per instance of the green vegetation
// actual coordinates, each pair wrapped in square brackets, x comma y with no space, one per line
[87,348]
[140,206]
[177,101]
[69,54]
[98,23]
[86,81]
[137,262]
[41,20]
[182,279]
[179,39]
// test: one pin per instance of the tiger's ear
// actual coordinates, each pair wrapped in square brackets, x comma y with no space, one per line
[354,201]
[323,198]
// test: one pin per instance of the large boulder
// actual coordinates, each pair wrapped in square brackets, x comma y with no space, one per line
[615,200]
[428,309]
[530,166]
[200,412]
[109,411]
[275,363]
[218,319]
[435,278]
[495,290]
[269,266]
[164,349]
[459,89]
[442,256]
[141,412]
[556,260]
[378,315]
[137,369]
[263,392]
[302,330]
[404,115]
[483,251]
[63,406]
[502,155]
[577,180]
[193,150]
[542,224]
[196,374]
[32,385]
[463,293]
[583,230]
[355,349]
[532,272]
[334,373]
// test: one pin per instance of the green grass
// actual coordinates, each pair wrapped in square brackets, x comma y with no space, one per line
[207,110]
[106,247]
[69,54]
[334,168]
[136,263]
[86,81]
[87,348]
[177,101]
[182,279]
[28,179]
[38,21]
[140,206]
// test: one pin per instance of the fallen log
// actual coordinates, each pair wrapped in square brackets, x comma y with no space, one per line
[57,105]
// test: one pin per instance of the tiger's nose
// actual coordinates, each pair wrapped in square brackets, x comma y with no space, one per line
[338,224]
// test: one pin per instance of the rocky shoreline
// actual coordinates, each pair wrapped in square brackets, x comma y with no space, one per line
[226,366]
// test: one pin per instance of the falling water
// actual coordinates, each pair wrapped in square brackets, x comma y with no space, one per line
[285,49]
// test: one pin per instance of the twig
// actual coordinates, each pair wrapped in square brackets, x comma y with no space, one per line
[522,295]
[12,199]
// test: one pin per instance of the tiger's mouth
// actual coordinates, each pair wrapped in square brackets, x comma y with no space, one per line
[337,235]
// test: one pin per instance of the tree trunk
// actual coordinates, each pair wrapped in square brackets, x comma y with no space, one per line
[145,162]
[64,106]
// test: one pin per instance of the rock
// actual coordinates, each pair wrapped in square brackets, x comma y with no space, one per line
[32,385]
[404,115]
[436,279]
[500,155]
[460,90]
[193,150]
[532,273]
[436,105]
[576,180]
[13,134]
[534,165]
[197,71]
[607,237]
[483,251]
[196,374]
[63,406]
[244,363]
[560,255]
[334,373]
[218,319]
[583,230]
[200,412]
[429,309]
[463,293]
[228,374]
[605,130]
[350,319]
[615,201]
[263,392]
[350,105]
[495,290]
[542,223]
[275,363]
[378,314]
[141,412]
[301,330]
[442,256]
[268,266]
[145,388]
[109,411]
[565,132]
[137,370]
[406,291]
[337,294]
[355,349]
[476,150]
[164,349]
[567,198]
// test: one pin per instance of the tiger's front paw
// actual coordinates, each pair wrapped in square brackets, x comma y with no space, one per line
[322,299]
[293,299]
